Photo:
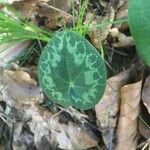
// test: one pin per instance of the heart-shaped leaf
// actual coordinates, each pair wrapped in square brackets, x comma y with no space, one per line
[71,72]
[139,21]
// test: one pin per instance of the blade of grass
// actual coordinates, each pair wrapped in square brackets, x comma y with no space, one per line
[78,27]
[15,28]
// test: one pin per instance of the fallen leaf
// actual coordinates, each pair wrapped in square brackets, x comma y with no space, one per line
[55,13]
[97,35]
[49,13]
[71,136]
[122,13]
[23,95]
[27,9]
[104,3]
[2,147]
[146,93]
[128,118]
[144,129]
[108,108]
[18,87]
[122,3]
[114,3]
[11,51]
[122,39]
[44,124]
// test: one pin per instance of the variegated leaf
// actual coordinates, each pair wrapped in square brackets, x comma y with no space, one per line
[71,72]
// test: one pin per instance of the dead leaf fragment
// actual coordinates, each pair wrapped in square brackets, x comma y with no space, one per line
[23,96]
[144,129]
[108,107]
[104,3]
[122,13]
[19,88]
[146,93]
[44,124]
[122,39]
[10,51]
[71,136]
[47,13]
[128,119]
[97,34]
[20,77]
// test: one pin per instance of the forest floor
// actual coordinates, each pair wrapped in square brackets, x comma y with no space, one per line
[29,120]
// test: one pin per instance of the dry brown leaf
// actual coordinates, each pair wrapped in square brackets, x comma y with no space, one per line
[146,93]
[8,52]
[122,2]
[128,119]
[98,35]
[22,93]
[19,88]
[122,13]
[55,13]
[108,107]
[104,3]
[71,136]
[27,9]
[20,77]
[32,70]
[2,147]
[122,39]
[49,13]
[144,129]
[44,124]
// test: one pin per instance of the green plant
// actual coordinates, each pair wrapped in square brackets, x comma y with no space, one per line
[78,25]
[71,71]
[14,29]
[139,21]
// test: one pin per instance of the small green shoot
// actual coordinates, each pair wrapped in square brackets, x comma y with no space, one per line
[78,25]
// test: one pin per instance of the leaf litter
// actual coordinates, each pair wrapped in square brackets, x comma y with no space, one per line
[32,125]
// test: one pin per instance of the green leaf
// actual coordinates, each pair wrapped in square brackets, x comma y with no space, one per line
[71,72]
[139,22]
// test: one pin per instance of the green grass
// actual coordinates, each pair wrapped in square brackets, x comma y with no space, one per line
[12,29]
[15,28]
[78,22]
[79,27]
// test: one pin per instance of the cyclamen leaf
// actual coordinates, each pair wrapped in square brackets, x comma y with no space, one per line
[139,22]
[71,72]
